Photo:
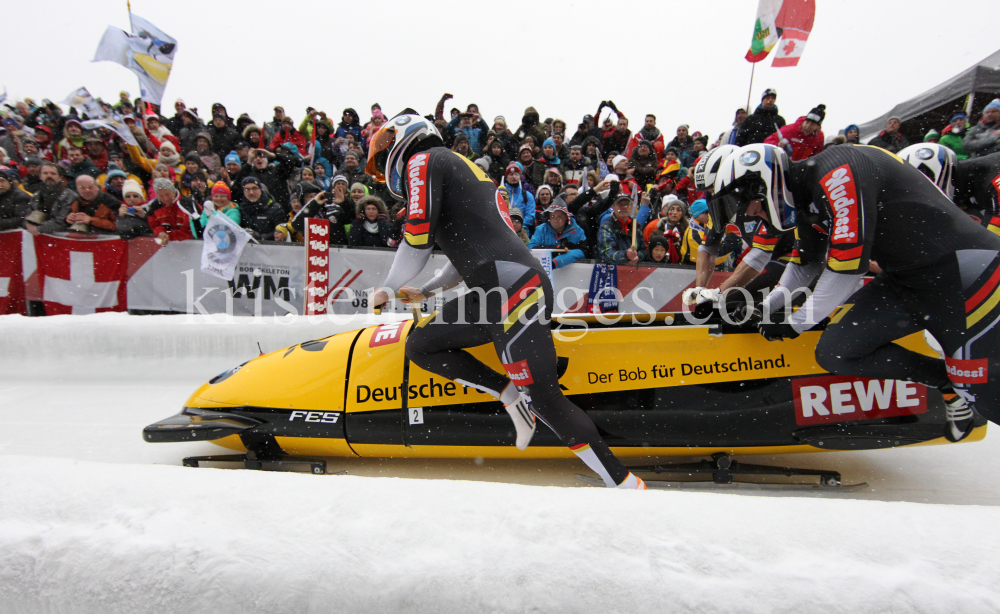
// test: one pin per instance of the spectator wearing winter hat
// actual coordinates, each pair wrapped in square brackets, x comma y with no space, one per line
[220,203]
[852,134]
[661,251]
[233,163]
[496,160]
[954,132]
[517,222]
[983,139]
[672,220]
[643,163]
[560,232]
[460,145]
[223,135]
[521,196]
[802,139]
[371,227]
[729,136]
[932,136]
[169,214]
[14,202]
[615,236]
[204,148]
[544,196]
[113,182]
[288,134]
[155,127]
[191,128]
[272,169]
[259,214]
[763,122]
[698,226]
[131,221]
[891,139]
[73,135]
[95,149]
[30,171]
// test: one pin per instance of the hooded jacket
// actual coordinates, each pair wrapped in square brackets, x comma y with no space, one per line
[371,234]
[293,136]
[759,125]
[572,238]
[354,127]
[530,126]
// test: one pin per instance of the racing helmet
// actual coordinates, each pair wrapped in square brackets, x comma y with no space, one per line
[708,166]
[935,161]
[756,172]
[385,152]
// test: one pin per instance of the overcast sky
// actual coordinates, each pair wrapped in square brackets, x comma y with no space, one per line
[683,61]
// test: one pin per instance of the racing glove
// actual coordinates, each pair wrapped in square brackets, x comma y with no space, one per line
[777,332]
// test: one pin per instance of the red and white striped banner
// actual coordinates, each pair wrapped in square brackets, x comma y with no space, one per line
[317,265]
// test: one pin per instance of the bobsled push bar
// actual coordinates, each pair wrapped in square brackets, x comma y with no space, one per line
[723,469]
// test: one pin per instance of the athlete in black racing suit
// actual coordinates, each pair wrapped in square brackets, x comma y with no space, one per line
[977,189]
[452,203]
[941,272]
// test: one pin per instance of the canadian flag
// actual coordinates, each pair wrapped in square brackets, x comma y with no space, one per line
[81,276]
[11,275]
[790,48]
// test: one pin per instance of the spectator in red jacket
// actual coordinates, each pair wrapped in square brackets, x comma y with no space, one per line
[169,215]
[288,134]
[802,139]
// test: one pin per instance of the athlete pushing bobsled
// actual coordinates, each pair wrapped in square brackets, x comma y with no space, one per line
[452,203]
[940,270]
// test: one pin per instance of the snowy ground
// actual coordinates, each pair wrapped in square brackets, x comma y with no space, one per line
[93,519]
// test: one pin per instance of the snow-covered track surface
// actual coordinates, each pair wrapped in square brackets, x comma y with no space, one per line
[93,519]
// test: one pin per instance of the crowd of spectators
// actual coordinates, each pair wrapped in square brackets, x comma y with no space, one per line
[597,190]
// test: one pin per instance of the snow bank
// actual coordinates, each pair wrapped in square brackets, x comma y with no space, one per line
[85,537]
[206,344]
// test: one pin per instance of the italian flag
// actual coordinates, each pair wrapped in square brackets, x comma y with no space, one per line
[765,30]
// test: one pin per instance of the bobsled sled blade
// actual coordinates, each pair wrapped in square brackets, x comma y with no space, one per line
[748,487]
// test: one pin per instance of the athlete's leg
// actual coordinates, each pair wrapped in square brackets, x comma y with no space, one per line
[525,346]
[436,345]
[859,339]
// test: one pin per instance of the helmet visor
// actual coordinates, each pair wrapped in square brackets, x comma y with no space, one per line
[732,201]
[378,152]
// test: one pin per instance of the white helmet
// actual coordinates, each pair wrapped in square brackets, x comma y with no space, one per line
[708,165]
[385,152]
[935,161]
[757,172]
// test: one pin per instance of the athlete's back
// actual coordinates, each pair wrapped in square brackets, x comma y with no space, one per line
[451,202]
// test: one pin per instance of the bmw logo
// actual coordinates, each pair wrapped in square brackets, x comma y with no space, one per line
[224,239]
[749,158]
[925,153]
[402,121]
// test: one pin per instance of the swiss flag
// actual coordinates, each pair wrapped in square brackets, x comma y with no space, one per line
[82,276]
[11,274]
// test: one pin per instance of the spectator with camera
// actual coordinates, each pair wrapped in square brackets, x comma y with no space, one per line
[131,221]
[335,206]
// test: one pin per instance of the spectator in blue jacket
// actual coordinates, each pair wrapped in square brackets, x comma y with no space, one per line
[614,238]
[560,232]
[520,196]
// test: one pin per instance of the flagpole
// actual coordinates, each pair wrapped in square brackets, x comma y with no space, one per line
[750,89]
[128,3]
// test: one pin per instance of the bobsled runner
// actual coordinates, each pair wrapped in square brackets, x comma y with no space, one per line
[654,388]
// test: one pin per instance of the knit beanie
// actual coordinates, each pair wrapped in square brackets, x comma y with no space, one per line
[817,114]
[994,104]
[698,207]
[221,188]
[233,157]
[162,183]
[132,187]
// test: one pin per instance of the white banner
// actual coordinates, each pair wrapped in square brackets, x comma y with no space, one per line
[112,123]
[82,101]
[148,52]
[222,247]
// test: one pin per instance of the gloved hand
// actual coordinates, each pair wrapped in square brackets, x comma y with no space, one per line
[777,332]
[690,296]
